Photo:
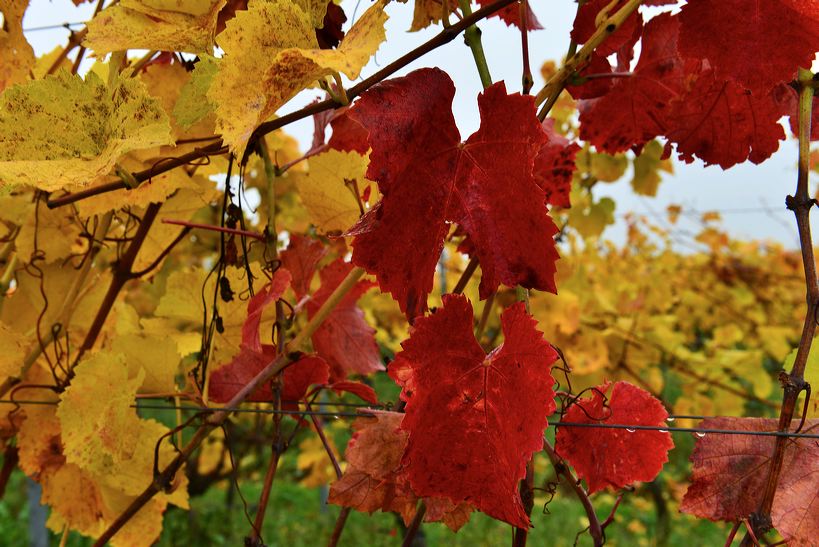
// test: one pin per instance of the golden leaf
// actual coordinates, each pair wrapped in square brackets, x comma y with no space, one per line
[16,55]
[64,131]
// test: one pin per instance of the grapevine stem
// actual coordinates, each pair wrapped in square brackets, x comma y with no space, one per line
[794,383]
[415,525]
[472,37]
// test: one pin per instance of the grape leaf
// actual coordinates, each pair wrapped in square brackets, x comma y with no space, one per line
[555,165]
[256,305]
[63,130]
[161,25]
[585,23]
[301,259]
[328,189]
[730,472]
[276,40]
[429,179]
[632,112]
[474,420]
[785,33]
[344,339]
[374,479]
[615,457]
[511,14]
[16,55]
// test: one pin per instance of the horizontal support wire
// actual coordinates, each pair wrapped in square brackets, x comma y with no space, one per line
[363,414]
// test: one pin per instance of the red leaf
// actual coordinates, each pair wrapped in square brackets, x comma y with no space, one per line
[722,123]
[633,112]
[730,472]
[554,166]
[256,305]
[348,135]
[429,179]
[330,33]
[761,43]
[474,420]
[585,25]
[229,379]
[597,87]
[344,339]
[374,480]
[301,259]
[358,389]
[615,457]
[511,15]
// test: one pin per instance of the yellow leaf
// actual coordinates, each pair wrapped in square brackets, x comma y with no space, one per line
[16,55]
[53,234]
[276,40]
[13,347]
[63,131]
[162,25]
[326,192]
[647,167]
[98,426]
[313,460]
[156,355]
[429,12]
[193,104]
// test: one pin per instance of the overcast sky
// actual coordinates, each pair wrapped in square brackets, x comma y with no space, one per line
[751,197]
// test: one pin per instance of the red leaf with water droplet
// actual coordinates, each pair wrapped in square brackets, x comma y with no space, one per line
[615,457]
[474,420]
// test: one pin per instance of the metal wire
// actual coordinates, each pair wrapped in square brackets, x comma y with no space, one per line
[701,432]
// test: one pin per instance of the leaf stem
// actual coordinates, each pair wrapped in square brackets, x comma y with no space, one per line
[415,525]
[472,37]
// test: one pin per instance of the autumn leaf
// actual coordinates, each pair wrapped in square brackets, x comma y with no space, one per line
[429,179]
[586,22]
[783,32]
[474,420]
[555,165]
[374,479]
[615,457]
[344,339]
[161,25]
[64,130]
[329,189]
[276,39]
[730,472]
[16,55]
[301,258]
[511,15]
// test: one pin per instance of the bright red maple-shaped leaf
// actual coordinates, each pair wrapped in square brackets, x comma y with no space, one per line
[301,259]
[721,122]
[344,339]
[761,43]
[730,472]
[633,111]
[256,305]
[511,14]
[473,419]
[554,166]
[615,457]
[429,179]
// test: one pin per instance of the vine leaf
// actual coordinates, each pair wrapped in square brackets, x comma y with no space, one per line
[511,14]
[473,419]
[783,32]
[374,479]
[730,472]
[301,258]
[555,165]
[160,25]
[428,179]
[615,457]
[344,339]
[65,131]
[16,54]
[276,39]
[585,24]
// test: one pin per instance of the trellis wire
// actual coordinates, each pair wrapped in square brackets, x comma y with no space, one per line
[329,414]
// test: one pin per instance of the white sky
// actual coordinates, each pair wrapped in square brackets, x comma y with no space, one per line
[741,192]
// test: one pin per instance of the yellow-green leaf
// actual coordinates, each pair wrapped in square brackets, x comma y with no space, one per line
[65,131]
[16,55]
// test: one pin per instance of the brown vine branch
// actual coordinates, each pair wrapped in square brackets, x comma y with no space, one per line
[415,525]
[595,528]
[444,37]
[339,527]
[218,417]
[793,383]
